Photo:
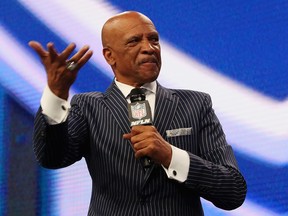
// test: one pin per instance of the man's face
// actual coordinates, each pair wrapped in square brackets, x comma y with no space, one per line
[136,51]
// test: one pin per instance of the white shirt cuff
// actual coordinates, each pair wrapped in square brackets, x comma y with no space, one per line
[54,108]
[179,166]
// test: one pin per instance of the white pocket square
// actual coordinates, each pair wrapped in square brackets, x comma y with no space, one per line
[179,132]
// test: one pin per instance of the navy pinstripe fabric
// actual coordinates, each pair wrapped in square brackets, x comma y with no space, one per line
[94,130]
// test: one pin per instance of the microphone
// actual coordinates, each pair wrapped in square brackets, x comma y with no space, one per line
[140,114]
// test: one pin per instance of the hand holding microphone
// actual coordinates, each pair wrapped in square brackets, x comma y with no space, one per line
[148,144]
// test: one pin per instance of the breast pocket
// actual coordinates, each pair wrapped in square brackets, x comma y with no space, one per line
[182,138]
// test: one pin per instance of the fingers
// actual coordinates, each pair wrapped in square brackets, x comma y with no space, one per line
[137,133]
[59,78]
[146,141]
[38,49]
[66,52]
[134,131]
[52,52]
[82,56]
[141,138]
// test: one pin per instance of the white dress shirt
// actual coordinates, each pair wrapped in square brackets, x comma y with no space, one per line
[56,111]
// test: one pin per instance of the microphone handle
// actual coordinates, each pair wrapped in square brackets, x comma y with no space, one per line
[146,162]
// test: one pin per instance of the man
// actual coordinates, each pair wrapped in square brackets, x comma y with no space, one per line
[189,153]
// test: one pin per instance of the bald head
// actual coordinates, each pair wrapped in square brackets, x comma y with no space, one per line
[119,24]
[131,47]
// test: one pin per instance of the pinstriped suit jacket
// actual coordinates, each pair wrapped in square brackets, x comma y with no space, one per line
[94,130]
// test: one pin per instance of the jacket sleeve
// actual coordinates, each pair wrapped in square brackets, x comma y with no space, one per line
[57,146]
[214,173]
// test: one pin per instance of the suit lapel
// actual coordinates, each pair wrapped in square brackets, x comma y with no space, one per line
[117,104]
[165,108]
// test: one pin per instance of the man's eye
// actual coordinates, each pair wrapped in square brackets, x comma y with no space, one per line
[134,40]
[154,39]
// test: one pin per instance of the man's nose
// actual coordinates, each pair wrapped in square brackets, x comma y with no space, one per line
[147,46]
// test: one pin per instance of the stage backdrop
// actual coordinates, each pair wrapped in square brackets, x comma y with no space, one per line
[234,50]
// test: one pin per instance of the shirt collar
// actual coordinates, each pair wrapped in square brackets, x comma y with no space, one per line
[126,89]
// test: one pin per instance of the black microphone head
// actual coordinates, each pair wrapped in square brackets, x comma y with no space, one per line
[137,94]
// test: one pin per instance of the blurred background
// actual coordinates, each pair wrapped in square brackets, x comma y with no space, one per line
[234,50]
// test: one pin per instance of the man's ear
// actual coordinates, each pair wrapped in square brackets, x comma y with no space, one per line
[108,55]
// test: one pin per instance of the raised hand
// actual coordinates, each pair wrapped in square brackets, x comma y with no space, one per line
[60,76]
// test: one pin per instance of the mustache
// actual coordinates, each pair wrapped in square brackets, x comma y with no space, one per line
[149,60]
